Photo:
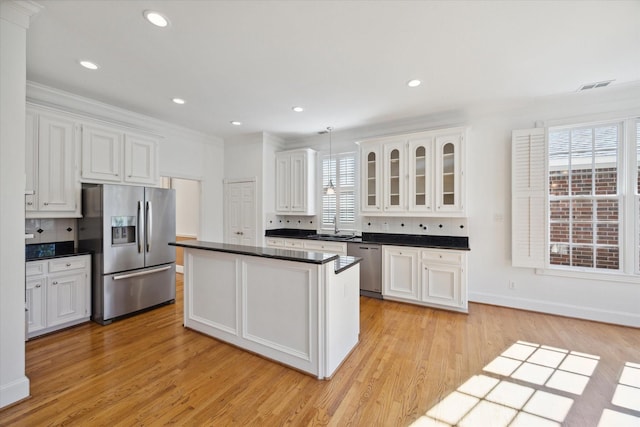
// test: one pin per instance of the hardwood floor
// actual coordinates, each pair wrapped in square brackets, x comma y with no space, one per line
[149,370]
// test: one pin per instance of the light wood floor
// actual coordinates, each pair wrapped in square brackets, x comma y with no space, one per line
[149,370]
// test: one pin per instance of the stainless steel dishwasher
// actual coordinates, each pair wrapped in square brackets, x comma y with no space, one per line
[370,267]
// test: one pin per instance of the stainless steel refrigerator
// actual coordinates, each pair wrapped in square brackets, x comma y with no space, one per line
[128,230]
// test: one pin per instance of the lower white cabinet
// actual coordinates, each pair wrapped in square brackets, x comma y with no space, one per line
[58,293]
[323,246]
[431,277]
[400,273]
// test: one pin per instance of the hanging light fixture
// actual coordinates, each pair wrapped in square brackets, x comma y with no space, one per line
[331,189]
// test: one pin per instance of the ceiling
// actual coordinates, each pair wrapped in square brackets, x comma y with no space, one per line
[346,62]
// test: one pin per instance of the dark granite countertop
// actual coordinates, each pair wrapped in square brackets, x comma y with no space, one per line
[283,254]
[414,240]
[344,262]
[42,251]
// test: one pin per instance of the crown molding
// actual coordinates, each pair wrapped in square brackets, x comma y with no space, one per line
[19,12]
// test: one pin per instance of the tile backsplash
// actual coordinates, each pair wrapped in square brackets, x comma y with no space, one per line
[50,230]
[433,226]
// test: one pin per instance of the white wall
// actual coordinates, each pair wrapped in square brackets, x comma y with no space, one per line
[187,206]
[14,20]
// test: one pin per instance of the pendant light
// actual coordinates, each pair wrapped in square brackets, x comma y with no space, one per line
[331,189]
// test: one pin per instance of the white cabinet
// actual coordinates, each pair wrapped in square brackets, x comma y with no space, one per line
[443,280]
[323,246]
[449,173]
[52,189]
[58,293]
[400,272]
[395,176]
[295,182]
[430,277]
[371,182]
[101,154]
[413,174]
[115,156]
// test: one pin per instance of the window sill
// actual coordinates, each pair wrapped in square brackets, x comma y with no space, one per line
[589,275]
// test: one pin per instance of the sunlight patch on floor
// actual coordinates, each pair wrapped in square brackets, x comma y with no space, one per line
[487,400]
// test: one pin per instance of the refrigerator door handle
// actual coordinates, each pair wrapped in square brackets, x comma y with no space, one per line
[149,225]
[139,227]
[141,273]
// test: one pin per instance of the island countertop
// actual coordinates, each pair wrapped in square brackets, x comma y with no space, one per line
[342,262]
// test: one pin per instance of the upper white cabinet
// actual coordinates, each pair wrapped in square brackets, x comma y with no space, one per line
[52,188]
[420,173]
[295,182]
[115,156]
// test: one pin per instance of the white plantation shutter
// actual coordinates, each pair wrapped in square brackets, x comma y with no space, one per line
[342,205]
[528,198]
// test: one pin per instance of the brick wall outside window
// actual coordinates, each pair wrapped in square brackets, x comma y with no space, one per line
[584,230]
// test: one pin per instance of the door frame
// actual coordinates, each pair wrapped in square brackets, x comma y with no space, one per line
[225,222]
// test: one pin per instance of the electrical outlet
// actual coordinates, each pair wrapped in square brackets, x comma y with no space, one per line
[512,284]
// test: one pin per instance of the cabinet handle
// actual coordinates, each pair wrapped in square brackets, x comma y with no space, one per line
[68,264]
[30,203]
[37,286]
[46,203]
[55,283]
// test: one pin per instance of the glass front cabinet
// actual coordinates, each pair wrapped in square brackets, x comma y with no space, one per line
[419,173]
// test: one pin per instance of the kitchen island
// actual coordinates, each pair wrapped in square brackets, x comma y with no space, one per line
[301,309]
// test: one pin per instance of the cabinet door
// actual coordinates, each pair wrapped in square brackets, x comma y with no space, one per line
[421,174]
[299,183]
[101,154]
[394,177]
[56,165]
[371,185]
[449,173]
[283,183]
[66,298]
[140,160]
[31,161]
[441,284]
[400,272]
[35,304]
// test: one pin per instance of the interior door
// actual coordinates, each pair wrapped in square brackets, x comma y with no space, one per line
[240,213]
[160,226]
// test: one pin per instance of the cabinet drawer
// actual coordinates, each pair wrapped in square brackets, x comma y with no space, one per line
[334,248]
[67,263]
[35,268]
[298,244]
[448,257]
[270,241]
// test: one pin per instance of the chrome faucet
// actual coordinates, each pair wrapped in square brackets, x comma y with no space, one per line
[335,224]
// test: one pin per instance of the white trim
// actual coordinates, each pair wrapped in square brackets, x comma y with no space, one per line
[590,119]
[239,180]
[565,310]
[180,269]
[19,12]
[14,391]
[575,273]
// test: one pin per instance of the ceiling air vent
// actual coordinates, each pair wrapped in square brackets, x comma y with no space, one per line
[595,85]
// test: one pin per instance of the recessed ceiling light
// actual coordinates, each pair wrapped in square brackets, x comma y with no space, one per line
[156,18]
[89,65]
[235,123]
[413,83]
[297,109]
[178,101]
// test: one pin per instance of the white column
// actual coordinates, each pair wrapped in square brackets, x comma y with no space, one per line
[14,21]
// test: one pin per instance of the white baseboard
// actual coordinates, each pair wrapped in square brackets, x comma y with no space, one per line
[587,313]
[14,391]
[179,269]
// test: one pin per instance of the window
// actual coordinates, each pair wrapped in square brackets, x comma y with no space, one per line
[576,197]
[585,197]
[341,206]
